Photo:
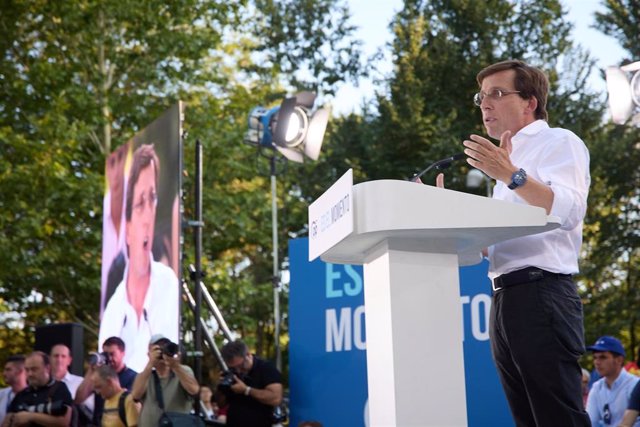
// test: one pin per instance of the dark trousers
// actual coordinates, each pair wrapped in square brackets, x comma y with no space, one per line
[537,336]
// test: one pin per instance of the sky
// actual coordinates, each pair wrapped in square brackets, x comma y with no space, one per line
[372,17]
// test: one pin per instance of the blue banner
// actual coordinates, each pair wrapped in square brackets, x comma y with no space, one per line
[327,349]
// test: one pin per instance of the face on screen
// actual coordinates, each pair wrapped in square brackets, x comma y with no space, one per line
[143,217]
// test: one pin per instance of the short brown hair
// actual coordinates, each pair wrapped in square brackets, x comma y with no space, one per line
[529,81]
[117,341]
[234,349]
[143,157]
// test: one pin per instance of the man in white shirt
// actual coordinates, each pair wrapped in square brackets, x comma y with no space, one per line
[147,300]
[61,359]
[16,378]
[609,396]
[536,326]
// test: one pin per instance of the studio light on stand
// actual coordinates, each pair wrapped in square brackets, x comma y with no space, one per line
[623,86]
[295,131]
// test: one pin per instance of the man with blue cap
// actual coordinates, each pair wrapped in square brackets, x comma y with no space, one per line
[609,395]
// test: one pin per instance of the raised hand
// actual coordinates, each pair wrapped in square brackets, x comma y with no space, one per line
[490,159]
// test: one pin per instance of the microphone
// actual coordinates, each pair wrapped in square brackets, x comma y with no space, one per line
[439,165]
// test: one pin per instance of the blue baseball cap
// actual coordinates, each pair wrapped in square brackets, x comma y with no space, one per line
[608,343]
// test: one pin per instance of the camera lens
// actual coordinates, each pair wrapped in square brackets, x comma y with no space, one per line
[170,349]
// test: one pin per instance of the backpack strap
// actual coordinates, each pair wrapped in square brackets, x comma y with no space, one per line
[121,408]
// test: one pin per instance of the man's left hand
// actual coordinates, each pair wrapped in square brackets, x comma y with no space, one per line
[493,161]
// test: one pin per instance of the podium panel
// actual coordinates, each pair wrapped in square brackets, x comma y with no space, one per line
[403,230]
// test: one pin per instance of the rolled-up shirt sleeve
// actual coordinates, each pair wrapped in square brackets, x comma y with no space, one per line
[565,168]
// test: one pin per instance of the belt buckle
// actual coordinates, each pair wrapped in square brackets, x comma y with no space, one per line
[495,287]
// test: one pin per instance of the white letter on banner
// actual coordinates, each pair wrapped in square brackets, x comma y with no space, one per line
[338,334]
[331,277]
[355,288]
[479,333]
[359,341]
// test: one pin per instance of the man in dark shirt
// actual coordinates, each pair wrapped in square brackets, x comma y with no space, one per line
[256,390]
[115,349]
[44,402]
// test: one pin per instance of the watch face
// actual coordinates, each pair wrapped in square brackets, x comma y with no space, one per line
[519,178]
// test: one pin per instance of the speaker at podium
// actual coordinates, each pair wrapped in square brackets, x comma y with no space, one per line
[69,334]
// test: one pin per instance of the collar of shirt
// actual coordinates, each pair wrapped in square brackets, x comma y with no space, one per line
[533,128]
[620,381]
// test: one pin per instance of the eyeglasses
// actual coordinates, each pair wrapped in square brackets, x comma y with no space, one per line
[151,201]
[495,94]
[606,414]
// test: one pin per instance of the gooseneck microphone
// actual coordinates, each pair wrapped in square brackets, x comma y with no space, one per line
[439,165]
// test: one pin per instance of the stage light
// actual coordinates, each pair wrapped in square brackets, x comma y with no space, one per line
[623,86]
[290,128]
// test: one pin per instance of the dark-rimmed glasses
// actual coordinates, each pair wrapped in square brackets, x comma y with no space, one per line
[493,94]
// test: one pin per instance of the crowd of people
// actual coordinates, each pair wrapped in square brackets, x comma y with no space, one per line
[42,392]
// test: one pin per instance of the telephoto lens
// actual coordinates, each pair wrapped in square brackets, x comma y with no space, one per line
[171,349]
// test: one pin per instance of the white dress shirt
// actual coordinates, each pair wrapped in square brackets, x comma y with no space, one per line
[558,158]
[160,315]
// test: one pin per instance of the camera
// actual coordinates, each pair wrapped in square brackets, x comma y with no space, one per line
[55,408]
[227,379]
[280,414]
[170,349]
[98,359]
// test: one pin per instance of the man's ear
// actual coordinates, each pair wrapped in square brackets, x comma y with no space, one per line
[532,105]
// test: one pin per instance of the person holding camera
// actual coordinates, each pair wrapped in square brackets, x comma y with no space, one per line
[253,387]
[45,402]
[175,381]
[113,353]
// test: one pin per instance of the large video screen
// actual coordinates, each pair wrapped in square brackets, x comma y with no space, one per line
[141,238]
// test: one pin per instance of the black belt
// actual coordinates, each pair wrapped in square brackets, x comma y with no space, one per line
[526,275]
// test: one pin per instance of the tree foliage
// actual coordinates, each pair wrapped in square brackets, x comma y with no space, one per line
[79,78]
[612,237]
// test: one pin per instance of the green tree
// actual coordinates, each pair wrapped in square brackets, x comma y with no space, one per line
[77,79]
[425,109]
[612,290]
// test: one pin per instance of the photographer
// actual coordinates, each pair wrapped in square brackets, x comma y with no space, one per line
[113,353]
[45,402]
[177,382]
[253,389]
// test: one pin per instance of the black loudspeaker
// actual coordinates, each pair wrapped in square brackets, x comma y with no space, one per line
[69,334]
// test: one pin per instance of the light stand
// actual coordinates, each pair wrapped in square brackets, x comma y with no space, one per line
[276,270]
[294,132]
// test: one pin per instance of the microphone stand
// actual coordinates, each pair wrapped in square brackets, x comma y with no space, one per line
[439,165]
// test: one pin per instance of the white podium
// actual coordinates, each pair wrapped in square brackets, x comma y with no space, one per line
[411,239]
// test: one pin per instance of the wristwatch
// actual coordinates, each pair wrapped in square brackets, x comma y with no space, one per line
[518,179]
